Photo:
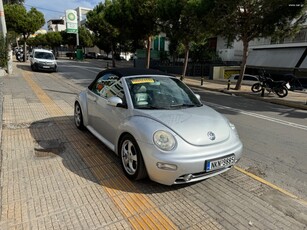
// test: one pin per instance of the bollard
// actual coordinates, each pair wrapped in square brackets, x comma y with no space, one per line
[201,80]
[228,85]
[262,91]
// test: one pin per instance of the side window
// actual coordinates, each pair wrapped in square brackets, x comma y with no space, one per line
[108,85]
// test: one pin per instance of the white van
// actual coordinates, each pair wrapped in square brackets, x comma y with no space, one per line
[41,59]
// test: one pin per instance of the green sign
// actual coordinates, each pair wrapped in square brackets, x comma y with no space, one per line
[71,21]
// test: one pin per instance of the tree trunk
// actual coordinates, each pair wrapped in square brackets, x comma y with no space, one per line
[113,58]
[148,52]
[243,64]
[186,60]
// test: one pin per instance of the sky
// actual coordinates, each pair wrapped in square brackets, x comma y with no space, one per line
[54,9]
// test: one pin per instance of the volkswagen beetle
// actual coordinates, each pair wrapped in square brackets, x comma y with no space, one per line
[156,124]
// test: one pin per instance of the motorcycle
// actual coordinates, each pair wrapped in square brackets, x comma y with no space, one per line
[266,83]
[19,56]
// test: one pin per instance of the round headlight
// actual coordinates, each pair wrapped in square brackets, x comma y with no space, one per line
[164,140]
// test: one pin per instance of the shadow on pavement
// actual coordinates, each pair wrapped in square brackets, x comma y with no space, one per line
[84,155]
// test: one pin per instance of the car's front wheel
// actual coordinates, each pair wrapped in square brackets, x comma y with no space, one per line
[78,116]
[131,158]
[33,67]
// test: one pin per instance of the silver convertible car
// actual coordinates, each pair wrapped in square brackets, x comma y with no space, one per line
[157,126]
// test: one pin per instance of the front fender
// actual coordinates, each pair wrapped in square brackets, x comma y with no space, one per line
[142,128]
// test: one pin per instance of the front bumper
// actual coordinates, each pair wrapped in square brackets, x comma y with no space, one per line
[45,67]
[189,162]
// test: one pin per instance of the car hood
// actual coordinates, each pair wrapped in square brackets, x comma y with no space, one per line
[198,126]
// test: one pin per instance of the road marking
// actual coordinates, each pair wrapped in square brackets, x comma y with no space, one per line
[261,180]
[257,115]
[303,127]
[139,210]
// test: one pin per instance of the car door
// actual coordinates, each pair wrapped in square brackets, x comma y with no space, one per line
[106,118]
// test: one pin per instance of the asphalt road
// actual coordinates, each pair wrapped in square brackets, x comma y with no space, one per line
[274,137]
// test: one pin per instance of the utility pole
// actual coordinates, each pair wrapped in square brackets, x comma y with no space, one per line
[3,30]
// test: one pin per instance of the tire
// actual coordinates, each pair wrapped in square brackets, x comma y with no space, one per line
[131,158]
[256,88]
[282,91]
[78,117]
[33,68]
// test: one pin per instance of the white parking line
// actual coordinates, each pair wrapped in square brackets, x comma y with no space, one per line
[282,122]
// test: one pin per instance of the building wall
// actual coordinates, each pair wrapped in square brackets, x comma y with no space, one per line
[231,53]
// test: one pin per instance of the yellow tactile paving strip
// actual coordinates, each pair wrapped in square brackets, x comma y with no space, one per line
[136,207]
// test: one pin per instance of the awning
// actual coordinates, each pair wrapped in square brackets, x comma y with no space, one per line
[303,64]
[276,58]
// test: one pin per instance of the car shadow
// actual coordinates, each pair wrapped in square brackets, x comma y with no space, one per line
[84,155]
[24,66]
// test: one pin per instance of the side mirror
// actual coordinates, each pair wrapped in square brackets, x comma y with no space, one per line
[197,96]
[116,102]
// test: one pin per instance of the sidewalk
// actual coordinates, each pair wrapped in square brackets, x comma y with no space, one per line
[294,99]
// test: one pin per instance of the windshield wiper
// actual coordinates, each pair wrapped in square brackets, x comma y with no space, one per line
[184,105]
[151,107]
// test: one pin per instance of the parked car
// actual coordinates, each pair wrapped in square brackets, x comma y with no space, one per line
[91,55]
[247,79]
[157,126]
[41,59]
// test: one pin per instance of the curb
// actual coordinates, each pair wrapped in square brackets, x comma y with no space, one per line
[295,105]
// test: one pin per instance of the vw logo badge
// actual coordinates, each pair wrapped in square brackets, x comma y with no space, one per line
[211,135]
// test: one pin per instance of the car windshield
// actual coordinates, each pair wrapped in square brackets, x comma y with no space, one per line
[158,92]
[44,55]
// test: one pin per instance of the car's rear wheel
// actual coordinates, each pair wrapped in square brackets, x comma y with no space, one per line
[131,158]
[78,116]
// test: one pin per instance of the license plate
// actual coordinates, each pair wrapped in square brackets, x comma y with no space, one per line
[288,85]
[215,164]
[46,67]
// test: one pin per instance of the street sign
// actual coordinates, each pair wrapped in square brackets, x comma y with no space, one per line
[71,21]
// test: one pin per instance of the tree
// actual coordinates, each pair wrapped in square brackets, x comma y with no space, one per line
[54,40]
[68,39]
[136,20]
[38,40]
[23,22]
[184,21]
[106,35]
[246,20]
[144,22]
[3,51]
[13,2]
[86,39]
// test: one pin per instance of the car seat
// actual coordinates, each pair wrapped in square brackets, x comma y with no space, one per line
[141,96]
